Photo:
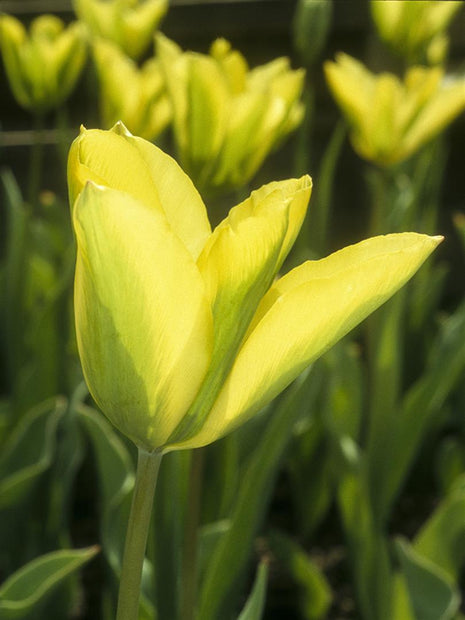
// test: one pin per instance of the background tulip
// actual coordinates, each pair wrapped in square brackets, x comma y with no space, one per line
[130,24]
[415,30]
[389,120]
[227,118]
[44,65]
[142,105]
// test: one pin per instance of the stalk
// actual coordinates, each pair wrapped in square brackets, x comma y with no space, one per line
[189,559]
[36,161]
[148,465]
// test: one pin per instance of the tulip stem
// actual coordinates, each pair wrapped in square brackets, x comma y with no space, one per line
[189,558]
[35,165]
[148,465]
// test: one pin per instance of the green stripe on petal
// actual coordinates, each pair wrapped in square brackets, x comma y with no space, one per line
[304,314]
[144,326]
[118,160]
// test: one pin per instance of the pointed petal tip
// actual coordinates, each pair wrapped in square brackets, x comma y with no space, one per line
[120,129]
[307,180]
[92,186]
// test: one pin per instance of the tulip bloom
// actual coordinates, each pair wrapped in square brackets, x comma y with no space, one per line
[227,118]
[141,104]
[130,24]
[390,120]
[44,66]
[183,333]
[415,29]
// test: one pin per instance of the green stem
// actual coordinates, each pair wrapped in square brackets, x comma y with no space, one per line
[35,166]
[385,353]
[148,465]
[64,139]
[189,558]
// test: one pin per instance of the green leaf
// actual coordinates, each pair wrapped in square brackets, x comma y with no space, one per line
[315,593]
[116,477]
[442,538]
[345,390]
[422,403]
[21,593]
[320,213]
[368,548]
[431,595]
[209,536]
[255,605]
[233,549]
[222,474]
[165,547]
[450,460]
[309,460]
[67,462]
[401,608]
[12,313]
[459,222]
[29,452]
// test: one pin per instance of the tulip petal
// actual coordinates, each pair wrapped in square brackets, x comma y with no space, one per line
[208,113]
[173,64]
[139,24]
[124,162]
[304,314]
[441,110]
[352,86]
[144,326]
[12,41]
[238,265]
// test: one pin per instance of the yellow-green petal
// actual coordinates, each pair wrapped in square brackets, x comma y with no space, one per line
[304,314]
[208,113]
[238,265]
[442,109]
[143,324]
[139,25]
[142,105]
[352,86]
[12,40]
[124,162]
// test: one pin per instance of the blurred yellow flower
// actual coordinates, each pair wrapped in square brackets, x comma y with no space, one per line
[44,65]
[130,24]
[390,119]
[227,118]
[181,331]
[135,96]
[415,29]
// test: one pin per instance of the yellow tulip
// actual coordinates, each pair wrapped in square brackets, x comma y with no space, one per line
[227,118]
[44,65]
[181,331]
[391,119]
[141,103]
[415,29]
[130,24]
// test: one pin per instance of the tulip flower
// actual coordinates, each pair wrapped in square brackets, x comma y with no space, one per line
[415,30]
[44,65]
[390,119]
[183,332]
[142,104]
[227,118]
[130,24]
